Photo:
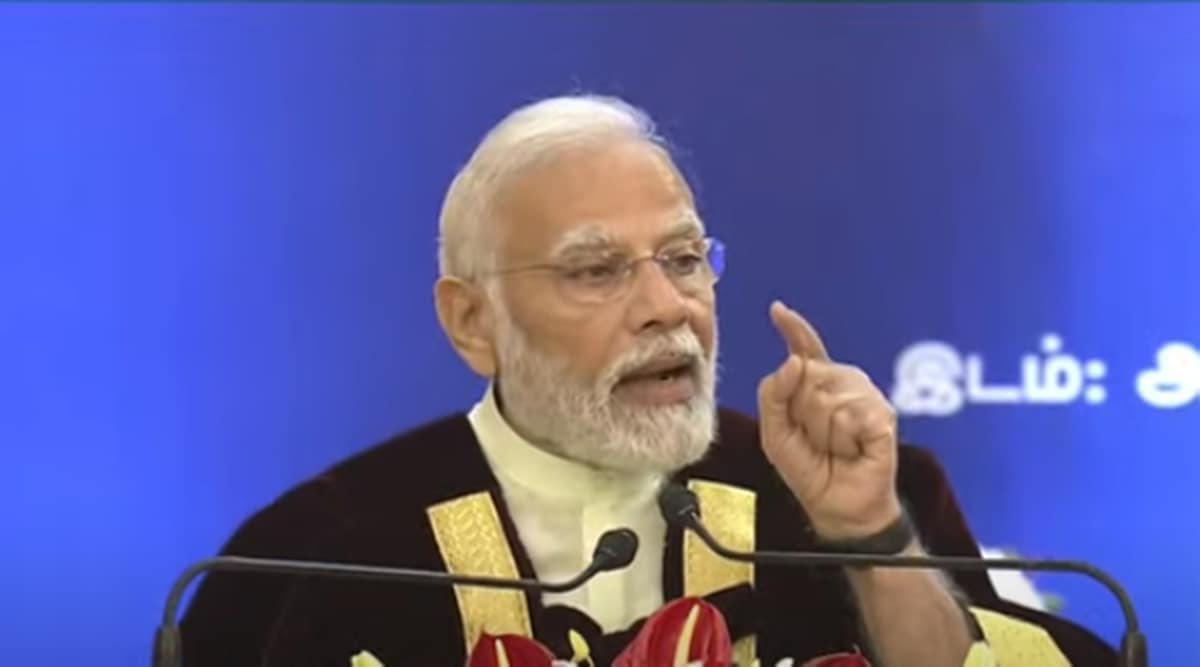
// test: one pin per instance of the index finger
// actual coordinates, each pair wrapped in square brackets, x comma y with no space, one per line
[800,336]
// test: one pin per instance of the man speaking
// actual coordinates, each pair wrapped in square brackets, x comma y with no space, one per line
[578,277]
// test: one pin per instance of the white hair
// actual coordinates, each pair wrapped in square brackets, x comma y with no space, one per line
[524,138]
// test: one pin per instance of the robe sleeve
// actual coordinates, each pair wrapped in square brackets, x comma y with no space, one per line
[1016,635]
[233,616]
[248,620]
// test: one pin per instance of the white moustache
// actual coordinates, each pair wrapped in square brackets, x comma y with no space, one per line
[680,345]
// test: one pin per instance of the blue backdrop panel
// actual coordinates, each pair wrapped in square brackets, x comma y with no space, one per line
[218,227]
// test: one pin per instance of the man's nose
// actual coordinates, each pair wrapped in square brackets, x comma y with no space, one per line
[656,303]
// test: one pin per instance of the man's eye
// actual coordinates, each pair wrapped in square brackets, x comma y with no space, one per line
[593,273]
[685,263]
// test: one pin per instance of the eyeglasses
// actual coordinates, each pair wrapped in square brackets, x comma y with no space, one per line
[692,267]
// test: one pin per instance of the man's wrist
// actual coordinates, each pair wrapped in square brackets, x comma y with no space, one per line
[882,578]
[890,540]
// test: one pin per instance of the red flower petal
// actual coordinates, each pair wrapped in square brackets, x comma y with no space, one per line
[520,651]
[655,645]
[838,660]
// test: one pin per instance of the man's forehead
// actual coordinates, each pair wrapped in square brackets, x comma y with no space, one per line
[593,233]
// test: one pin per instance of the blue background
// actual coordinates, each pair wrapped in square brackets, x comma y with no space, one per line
[218,244]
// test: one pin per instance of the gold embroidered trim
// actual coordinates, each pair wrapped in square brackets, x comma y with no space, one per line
[728,513]
[1016,642]
[471,540]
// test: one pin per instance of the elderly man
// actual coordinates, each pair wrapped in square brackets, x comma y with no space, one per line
[578,278]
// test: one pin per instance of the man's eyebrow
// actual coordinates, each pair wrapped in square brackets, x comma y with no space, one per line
[594,238]
[689,225]
[583,239]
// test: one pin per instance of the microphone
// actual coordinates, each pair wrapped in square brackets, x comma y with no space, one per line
[680,509]
[614,550]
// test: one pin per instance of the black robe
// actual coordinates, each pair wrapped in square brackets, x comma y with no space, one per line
[370,509]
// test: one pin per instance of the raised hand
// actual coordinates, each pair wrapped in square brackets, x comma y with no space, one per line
[831,435]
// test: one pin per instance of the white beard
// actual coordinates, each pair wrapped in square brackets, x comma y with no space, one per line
[585,422]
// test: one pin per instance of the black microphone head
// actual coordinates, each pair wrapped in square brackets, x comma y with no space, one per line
[615,549]
[678,506]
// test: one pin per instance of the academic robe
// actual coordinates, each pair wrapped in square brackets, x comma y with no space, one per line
[428,500]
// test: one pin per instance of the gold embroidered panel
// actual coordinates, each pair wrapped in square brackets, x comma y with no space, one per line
[728,513]
[471,540]
[1017,642]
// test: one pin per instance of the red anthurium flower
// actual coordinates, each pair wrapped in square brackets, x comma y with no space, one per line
[838,660]
[509,651]
[687,630]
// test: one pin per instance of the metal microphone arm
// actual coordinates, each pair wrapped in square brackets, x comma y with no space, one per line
[679,507]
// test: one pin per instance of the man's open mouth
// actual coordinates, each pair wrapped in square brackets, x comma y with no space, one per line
[663,370]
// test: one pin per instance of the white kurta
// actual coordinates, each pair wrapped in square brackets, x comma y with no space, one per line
[560,509]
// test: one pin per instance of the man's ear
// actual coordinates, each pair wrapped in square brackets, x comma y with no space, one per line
[465,317]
